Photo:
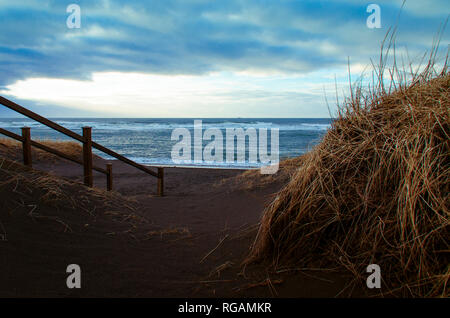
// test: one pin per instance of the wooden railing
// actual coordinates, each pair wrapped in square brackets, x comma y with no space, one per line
[85,139]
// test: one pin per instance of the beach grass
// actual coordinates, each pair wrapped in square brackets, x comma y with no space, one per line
[10,148]
[376,189]
[38,195]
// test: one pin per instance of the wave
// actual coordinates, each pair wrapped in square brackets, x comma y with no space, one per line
[110,126]
[190,163]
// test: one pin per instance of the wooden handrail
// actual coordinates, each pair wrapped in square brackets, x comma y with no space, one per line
[87,157]
[70,133]
[48,149]
[26,146]
[39,118]
[87,145]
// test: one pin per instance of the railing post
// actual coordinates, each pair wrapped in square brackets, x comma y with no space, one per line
[109,180]
[87,156]
[26,146]
[160,182]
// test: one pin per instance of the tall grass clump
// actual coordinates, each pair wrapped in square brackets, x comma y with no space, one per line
[376,189]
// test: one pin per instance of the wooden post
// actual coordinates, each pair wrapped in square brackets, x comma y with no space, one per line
[87,156]
[26,146]
[109,180]
[160,182]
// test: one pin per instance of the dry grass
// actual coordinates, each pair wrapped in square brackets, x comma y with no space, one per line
[375,190]
[42,196]
[12,149]
[253,179]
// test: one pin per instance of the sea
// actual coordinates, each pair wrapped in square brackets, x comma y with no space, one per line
[149,140]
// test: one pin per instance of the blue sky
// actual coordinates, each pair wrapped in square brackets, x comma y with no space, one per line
[198,58]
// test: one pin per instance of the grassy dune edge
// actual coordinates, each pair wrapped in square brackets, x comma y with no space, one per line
[375,190]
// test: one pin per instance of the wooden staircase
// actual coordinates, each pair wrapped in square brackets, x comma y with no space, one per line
[85,139]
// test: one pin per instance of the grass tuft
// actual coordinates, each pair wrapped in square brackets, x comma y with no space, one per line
[376,189]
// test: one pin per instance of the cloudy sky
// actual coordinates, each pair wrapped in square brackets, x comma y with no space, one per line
[198,58]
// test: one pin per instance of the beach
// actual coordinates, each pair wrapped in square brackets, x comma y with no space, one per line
[253,150]
[189,243]
[306,231]
[318,227]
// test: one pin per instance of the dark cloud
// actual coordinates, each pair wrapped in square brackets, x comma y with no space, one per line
[194,37]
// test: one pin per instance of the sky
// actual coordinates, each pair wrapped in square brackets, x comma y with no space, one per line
[198,58]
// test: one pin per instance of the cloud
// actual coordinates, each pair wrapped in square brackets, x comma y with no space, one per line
[200,38]
[119,94]
[188,37]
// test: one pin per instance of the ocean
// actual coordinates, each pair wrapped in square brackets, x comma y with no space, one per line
[148,140]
